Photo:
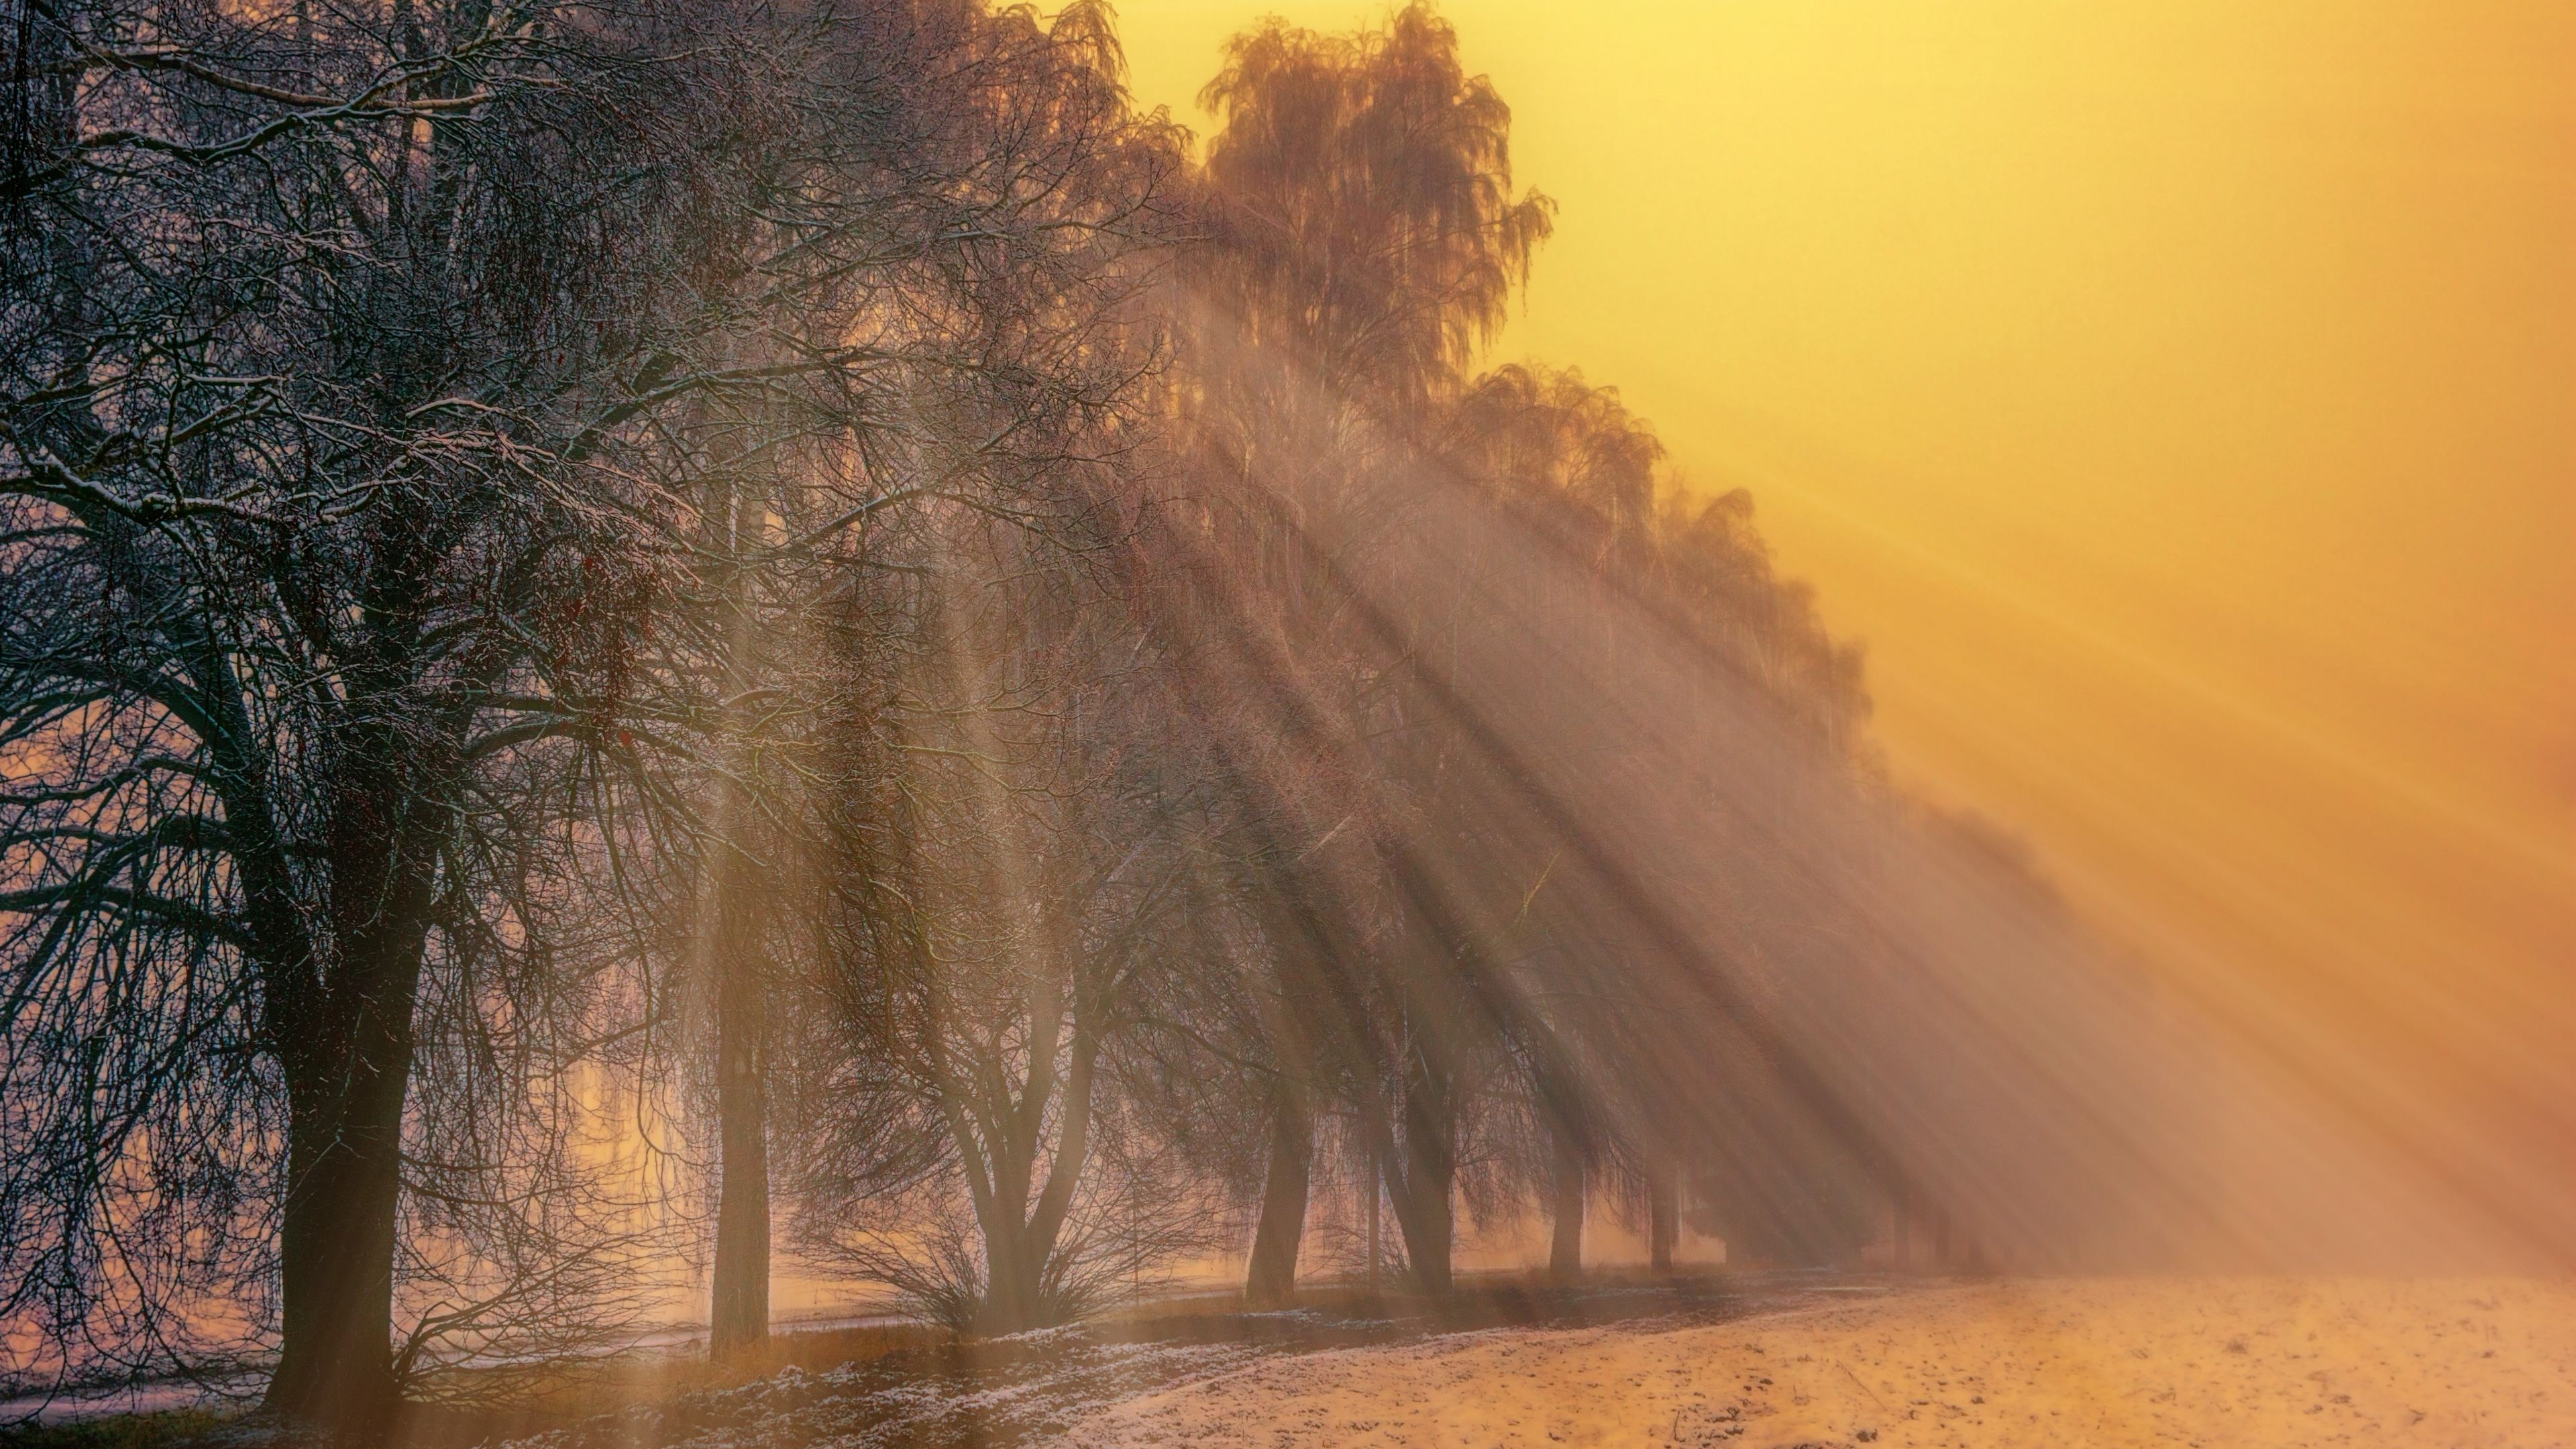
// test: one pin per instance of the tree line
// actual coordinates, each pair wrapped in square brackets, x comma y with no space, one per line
[668,620]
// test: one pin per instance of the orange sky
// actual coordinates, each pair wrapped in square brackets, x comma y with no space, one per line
[2179,398]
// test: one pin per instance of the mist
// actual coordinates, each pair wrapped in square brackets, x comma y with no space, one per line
[667,661]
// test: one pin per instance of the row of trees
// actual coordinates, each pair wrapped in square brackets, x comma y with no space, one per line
[624,623]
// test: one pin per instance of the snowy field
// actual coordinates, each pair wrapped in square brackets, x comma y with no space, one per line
[2063,1362]
[2081,1362]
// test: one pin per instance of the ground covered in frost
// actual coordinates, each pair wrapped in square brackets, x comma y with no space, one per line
[2097,1362]
[1051,1388]
[1733,1362]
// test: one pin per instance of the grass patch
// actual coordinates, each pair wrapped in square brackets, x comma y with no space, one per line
[158,1430]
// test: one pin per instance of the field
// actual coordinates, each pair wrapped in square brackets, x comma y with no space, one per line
[1733,1361]
[2007,1363]
[1760,1362]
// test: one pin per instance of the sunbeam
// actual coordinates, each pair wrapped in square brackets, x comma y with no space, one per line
[935,722]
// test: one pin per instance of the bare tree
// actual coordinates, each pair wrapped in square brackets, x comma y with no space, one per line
[326,580]
[957,209]
[1012,851]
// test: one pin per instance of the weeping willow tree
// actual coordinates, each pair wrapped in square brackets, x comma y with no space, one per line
[1376,503]
[934,309]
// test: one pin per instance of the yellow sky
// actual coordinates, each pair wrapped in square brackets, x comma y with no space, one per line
[2179,398]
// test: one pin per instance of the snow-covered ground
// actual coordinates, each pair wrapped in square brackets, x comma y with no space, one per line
[1740,1362]
[1037,1388]
[2024,1363]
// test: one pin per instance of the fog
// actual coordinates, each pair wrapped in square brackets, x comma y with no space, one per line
[666,664]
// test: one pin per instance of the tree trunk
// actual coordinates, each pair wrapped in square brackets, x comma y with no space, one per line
[1012,1275]
[1376,1188]
[738,1311]
[1270,1280]
[1423,1193]
[1565,1246]
[1021,1236]
[738,1293]
[997,1180]
[336,1251]
[1663,1217]
[348,1070]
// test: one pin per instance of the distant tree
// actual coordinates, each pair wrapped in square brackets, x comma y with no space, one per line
[1369,232]
[1367,238]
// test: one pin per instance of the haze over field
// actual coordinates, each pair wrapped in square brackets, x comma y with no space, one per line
[2178,401]
[2181,389]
